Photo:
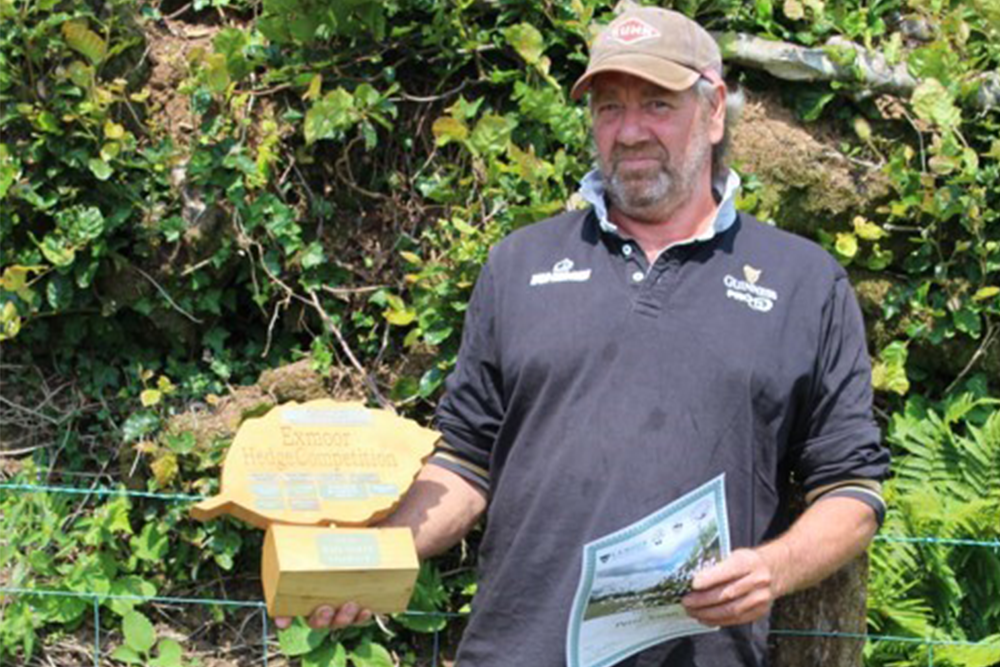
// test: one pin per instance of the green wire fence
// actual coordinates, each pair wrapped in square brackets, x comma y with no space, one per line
[259,606]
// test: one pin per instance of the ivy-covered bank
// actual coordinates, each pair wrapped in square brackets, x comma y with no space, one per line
[196,192]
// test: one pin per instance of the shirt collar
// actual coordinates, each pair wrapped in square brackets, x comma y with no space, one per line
[592,191]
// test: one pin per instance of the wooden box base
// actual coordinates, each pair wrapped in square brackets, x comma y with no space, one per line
[304,567]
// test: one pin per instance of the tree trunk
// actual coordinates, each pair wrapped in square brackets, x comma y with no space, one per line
[837,605]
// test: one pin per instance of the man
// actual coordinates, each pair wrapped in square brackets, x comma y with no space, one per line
[616,358]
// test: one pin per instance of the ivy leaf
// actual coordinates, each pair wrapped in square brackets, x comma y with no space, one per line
[10,170]
[465,110]
[327,655]
[400,318]
[151,544]
[15,279]
[300,639]
[127,655]
[429,595]
[10,321]
[139,633]
[329,117]
[182,443]
[411,257]
[986,293]
[59,292]
[430,381]
[165,468]
[794,10]
[113,131]
[150,397]
[85,41]
[315,88]
[313,255]
[932,102]
[217,73]
[130,585]
[889,372]
[57,251]
[139,424]
[879,258]
[968,321]
[447,129]
[170,654]
[527,41]
[369,654]
[809,103]
[492,134]
[765,10]
[99,168]
[846,246]
[867,230]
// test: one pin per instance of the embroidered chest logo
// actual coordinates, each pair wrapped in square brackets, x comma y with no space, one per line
[633,30]
[755,296]
[562,272]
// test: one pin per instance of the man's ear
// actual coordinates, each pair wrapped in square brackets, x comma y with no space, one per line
[717,114]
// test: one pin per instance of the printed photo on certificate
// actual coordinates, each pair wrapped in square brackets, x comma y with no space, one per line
[633,580]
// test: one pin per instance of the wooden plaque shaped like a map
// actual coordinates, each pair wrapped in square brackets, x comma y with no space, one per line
[319,463]
[303,468]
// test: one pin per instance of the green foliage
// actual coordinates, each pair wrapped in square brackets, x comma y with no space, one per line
[947,485]
[140,646]
[349,165]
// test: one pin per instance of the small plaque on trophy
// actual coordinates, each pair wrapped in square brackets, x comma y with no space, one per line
[313,475]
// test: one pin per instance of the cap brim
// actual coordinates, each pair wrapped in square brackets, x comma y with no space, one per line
[664,73]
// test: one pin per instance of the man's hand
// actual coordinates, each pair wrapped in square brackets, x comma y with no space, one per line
[439,508]
[740,589]
[324,617]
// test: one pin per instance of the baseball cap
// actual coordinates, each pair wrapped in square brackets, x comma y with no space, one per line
[659,45]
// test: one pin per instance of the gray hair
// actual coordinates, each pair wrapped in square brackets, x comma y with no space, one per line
[734,109]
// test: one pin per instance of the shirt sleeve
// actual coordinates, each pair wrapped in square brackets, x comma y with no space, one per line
[841,452]
[471,411]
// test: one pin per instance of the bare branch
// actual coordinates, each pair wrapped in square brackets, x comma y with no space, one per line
[369,380]
[167,296]
[870,69]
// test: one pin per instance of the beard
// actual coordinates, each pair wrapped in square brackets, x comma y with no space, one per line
[657,189]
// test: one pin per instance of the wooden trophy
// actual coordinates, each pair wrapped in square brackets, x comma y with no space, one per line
[313,475]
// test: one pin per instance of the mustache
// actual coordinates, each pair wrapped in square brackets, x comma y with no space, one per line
[645,152]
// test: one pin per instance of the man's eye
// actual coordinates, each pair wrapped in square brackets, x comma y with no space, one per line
[659,105]
[607,107]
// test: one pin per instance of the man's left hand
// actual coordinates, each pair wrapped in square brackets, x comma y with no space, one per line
[740,589]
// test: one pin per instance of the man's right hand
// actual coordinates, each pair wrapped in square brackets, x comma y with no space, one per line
[326,617]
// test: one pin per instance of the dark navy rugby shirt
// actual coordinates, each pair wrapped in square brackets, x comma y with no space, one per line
[592,390]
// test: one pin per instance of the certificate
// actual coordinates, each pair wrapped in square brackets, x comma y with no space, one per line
[632,580]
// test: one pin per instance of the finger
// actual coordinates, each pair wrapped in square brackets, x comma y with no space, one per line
[718,595]
[739,564]
[321,617]
[283,622]
[346,615]
[365,616]
[756,582]
[744,610]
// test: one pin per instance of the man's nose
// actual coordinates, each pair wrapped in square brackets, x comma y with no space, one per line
[633,129]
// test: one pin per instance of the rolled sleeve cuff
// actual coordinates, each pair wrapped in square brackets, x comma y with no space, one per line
[867,491]
[451,458]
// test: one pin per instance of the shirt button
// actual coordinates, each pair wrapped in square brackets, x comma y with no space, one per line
[627,250]
[638,276]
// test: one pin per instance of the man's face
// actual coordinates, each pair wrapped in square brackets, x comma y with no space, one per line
[653,144]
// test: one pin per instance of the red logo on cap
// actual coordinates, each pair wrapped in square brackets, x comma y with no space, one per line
[633,30]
